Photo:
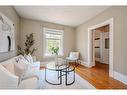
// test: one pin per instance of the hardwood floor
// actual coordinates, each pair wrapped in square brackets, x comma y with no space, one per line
[98,77]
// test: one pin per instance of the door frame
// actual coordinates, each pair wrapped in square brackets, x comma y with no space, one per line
[91,56]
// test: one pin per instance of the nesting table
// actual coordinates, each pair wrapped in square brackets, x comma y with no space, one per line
[61,70]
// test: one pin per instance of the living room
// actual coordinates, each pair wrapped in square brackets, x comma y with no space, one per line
[72,34]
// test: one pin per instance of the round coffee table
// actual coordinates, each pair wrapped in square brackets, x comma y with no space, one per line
[58,68]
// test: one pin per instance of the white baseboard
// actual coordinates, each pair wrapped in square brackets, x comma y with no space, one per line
[85,64]
[97,59]
[120,77]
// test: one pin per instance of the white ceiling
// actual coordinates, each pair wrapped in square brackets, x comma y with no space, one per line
[65,15]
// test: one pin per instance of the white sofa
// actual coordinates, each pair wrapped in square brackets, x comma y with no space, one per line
[10,80]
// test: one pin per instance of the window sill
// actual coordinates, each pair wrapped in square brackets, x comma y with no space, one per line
[51,56]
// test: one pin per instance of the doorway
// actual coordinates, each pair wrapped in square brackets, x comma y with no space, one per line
[101,47]
[91,50]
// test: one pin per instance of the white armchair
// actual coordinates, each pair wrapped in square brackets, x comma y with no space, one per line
[73,57]
[7,79]
[10,78]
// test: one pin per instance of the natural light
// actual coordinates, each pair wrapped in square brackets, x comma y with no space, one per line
[53,38]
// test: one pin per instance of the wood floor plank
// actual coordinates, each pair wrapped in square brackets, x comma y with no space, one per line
[98,76]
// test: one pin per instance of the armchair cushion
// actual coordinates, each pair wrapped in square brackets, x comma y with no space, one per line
[70,58]
[21,67]
[74,55]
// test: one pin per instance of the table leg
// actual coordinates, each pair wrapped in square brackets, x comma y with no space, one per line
[66,77]
[45,74]
[60,77]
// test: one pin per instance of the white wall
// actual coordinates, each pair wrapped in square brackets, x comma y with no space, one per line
[32,26]
[120,36]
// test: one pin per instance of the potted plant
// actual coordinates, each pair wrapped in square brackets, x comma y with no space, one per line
[28,46]
[55,51]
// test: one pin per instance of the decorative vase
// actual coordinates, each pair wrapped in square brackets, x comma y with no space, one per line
[56,59]
[34,58]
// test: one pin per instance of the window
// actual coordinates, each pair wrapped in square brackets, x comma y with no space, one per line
[53,38]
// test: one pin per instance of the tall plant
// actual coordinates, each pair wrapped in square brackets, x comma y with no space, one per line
[28,45]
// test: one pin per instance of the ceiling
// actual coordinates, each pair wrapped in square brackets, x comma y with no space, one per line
[65,15]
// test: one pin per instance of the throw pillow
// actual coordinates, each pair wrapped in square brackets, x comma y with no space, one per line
[29,58]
